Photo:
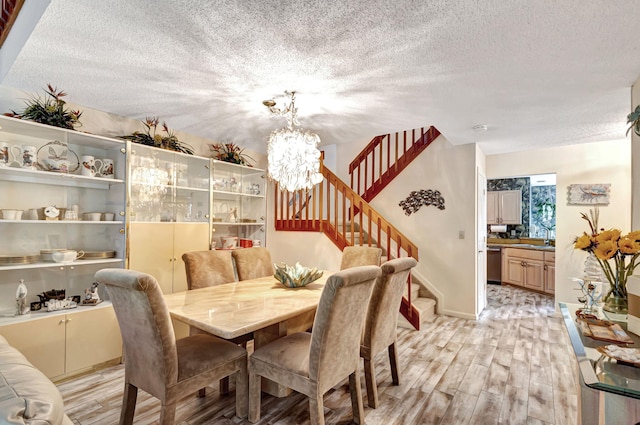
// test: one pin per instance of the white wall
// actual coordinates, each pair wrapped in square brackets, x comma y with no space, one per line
[635,161]
[605,162]
[447,262]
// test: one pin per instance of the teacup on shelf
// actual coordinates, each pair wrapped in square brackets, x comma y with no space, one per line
[66,256]
[92,216]
[11,214]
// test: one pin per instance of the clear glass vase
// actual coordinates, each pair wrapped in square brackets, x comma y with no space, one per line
[615,303]
[616,299]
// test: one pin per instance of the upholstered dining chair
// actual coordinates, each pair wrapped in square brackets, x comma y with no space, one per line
[353,256]
[252,263]
[208,268]
[312,363]
[382,321]
[154,361]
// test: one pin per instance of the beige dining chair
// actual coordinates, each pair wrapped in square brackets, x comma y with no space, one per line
[353,256]
[312,363]
[380,327]
[208,268]
[155,361]
[252,263]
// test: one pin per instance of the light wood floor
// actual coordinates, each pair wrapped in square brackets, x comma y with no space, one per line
[513,366]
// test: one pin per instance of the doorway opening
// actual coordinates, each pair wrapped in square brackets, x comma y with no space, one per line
[523,216]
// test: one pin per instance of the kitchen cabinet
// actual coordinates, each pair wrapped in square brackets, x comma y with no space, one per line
[529,268]
[504,207]
[238,200]
[50,204]
[550,272]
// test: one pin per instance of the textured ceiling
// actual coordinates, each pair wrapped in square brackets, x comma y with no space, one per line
[537,73]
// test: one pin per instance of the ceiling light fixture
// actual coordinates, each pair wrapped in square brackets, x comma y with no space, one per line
[292,153]
[480,127]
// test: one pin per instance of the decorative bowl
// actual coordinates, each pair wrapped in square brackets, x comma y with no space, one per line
[296,276]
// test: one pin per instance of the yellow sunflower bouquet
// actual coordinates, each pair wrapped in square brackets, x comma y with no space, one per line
[610,246]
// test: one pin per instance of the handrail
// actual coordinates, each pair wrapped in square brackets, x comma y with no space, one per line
[335,209]
[385,157]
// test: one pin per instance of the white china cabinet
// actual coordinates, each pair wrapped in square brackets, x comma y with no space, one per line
[48,204]
[238,202]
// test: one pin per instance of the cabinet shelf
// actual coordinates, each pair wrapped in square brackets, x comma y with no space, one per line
[170,186]
[44,265]
[24,175]
[229,194]
[228,223]
[192,189]
[43,131]
[71,222]
[44,314]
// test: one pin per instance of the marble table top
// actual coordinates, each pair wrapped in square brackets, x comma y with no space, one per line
[235,309]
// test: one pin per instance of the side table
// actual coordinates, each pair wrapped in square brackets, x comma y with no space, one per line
[609,392]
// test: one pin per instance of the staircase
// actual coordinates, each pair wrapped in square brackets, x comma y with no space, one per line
[423,302]
[385,157]
[344,215]
[333,208]
[421,299]
[373,169]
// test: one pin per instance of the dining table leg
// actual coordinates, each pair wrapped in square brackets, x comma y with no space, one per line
[263,336]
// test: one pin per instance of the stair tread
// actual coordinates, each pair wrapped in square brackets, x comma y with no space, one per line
[422,303]
[426,309]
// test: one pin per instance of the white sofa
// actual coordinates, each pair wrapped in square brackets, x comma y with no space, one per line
[27,396]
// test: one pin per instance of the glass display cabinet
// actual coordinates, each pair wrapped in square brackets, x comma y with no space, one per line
[169,209]
[238,202]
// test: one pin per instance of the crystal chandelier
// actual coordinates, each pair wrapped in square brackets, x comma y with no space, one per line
[292,153]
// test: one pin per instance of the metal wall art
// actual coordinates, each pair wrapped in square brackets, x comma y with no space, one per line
[416,199]
[589,194]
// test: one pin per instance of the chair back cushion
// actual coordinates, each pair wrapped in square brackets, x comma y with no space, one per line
[253,262]
[337,328]
[208,268]
[354,256]
[382,317]
[150,353]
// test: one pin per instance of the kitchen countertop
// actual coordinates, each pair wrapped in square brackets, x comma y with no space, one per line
[523,246]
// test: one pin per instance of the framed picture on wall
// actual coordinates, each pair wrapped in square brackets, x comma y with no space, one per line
[589,194]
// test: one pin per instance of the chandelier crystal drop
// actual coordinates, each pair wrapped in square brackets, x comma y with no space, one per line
[292,153]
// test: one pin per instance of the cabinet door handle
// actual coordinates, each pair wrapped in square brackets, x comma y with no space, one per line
[545,267]
[121,231]
[61,322]
[68,320]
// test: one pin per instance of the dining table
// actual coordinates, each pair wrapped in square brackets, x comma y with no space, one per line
[262,307]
